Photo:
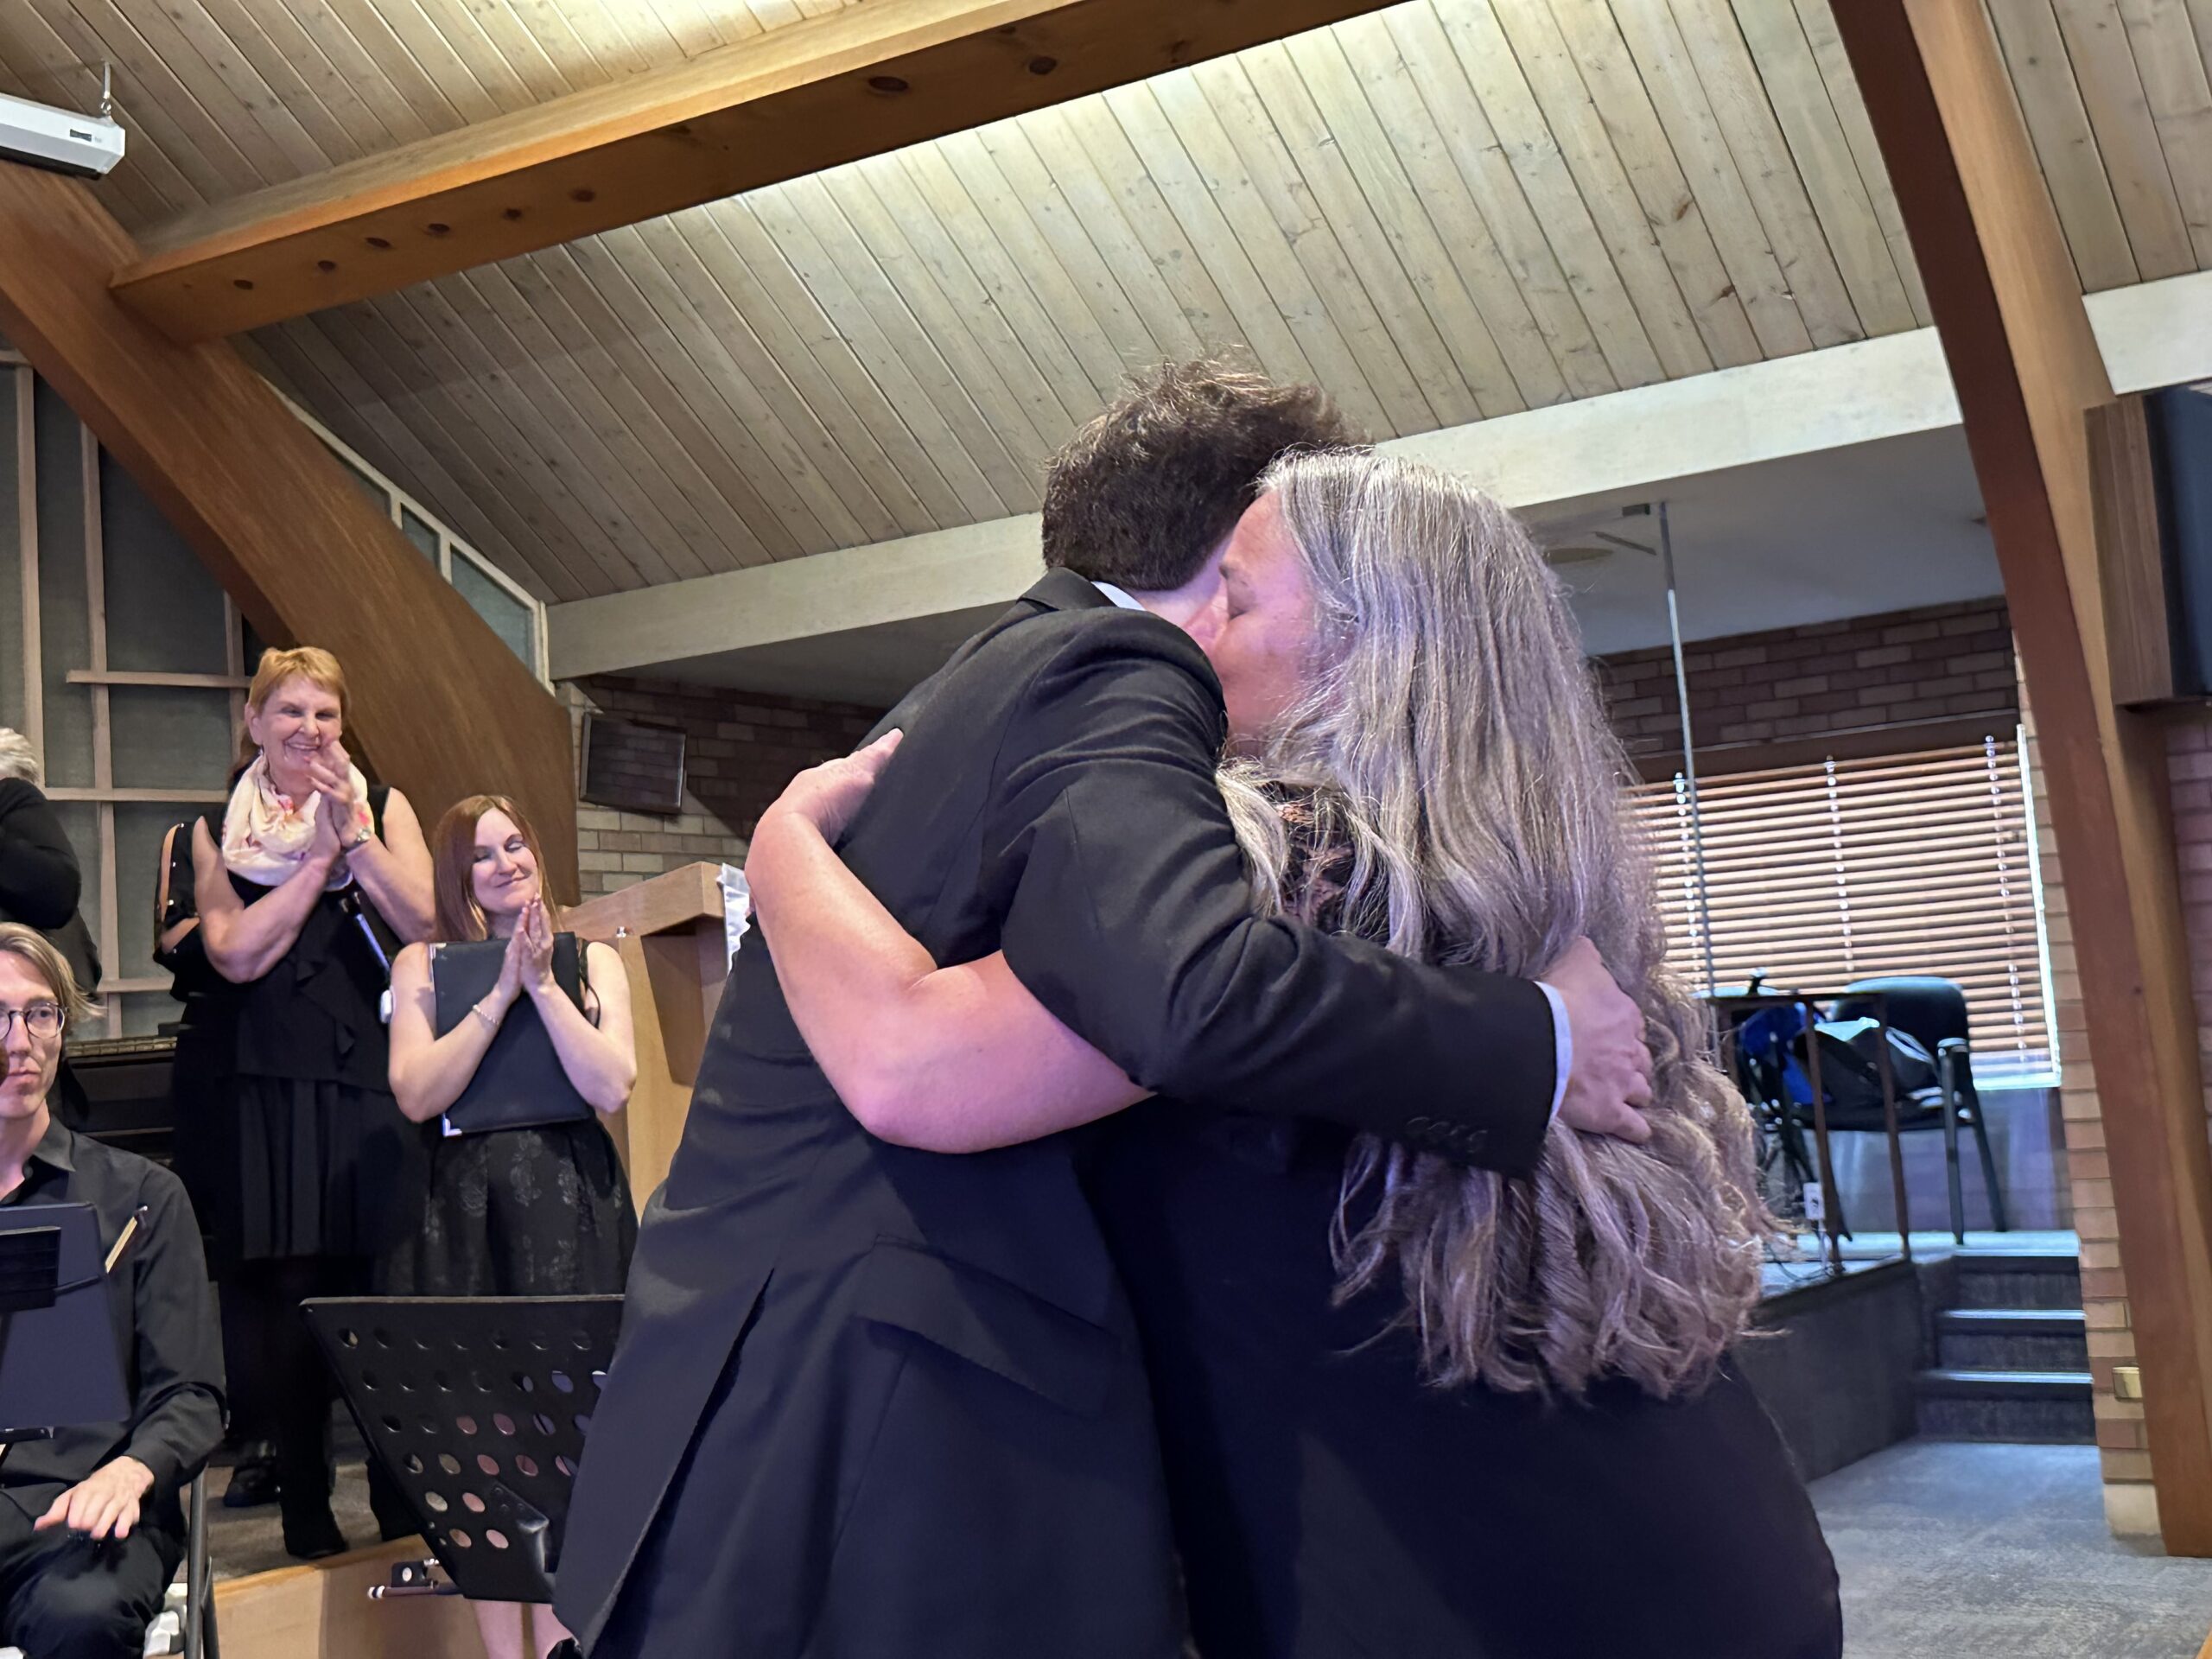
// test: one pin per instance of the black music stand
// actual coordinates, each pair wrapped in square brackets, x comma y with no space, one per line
[477,1406]
[59,1368]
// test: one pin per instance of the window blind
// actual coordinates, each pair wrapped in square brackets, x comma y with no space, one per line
[1818,875]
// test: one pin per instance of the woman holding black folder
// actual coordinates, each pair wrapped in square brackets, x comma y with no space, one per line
[525,1197]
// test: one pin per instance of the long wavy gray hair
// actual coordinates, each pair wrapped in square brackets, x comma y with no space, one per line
[1455,792]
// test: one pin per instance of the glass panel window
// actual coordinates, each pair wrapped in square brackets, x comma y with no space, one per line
[419,530]
[510,619]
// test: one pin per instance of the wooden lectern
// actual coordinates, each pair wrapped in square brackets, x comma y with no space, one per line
[672,937]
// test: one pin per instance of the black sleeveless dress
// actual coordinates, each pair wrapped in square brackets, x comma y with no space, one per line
[543,1210]
[324,1163]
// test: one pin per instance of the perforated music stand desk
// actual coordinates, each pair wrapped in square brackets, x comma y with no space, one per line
[477,1406]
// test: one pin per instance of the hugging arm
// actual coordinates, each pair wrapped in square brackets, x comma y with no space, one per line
[947,1059]
[1129,919]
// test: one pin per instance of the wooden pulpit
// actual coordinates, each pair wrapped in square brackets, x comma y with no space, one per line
[670,934]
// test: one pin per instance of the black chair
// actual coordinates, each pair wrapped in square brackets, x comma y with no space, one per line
[1933,1011]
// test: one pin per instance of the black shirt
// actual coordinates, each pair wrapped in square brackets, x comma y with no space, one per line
[39,880]
[163,1314]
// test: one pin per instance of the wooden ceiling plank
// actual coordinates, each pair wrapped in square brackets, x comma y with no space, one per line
[1002,385]
[228,26]
[607,35]
[220,77]
[914,356]
[1105,337]
[510,39]
[1353,264]
[293,62]
[1242,159]
[811,407]
[1477,48]
[549,26]
[147,50]
[1484,324]
[2128,136]
[606,302]
[1194,137]
[1412,76]
[422,61]
[1818,20]
[543,412]
[852,316]
[2179,93]
[1799,97]
[1579,66]
[695,30]
[859,81]
[463,35]
[1728,81]
[1033,361]
[1201,231]
[2049,97]
[1524,29]
[325,381]
[1689,126]
[839,365]
[335,39]
[1185,325]
[544,322]
[1036,297]
[637,289]
[370,351]
[721,346]
[1012,148]
[1418,153]
[443,355]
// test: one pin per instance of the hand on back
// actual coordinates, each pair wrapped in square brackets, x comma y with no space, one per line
[1610,1081]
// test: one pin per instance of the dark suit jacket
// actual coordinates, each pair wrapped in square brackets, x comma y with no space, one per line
[874,1402]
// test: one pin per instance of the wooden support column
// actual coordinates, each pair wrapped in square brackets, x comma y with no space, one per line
[440,704]
[2009,311]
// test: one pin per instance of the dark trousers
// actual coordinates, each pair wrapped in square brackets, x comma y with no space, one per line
[296,1385]
[63,1596]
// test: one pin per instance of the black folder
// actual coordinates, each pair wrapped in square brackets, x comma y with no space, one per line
[59,1367]
[519,1083]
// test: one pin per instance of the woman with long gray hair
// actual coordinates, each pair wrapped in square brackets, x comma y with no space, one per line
[1407,1408]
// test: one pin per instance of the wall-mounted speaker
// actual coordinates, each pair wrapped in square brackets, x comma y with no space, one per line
[635,765]
[2150,477]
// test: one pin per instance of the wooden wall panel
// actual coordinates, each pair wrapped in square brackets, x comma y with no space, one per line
[440,704]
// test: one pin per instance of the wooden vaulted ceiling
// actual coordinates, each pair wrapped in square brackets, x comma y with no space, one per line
[1450,210]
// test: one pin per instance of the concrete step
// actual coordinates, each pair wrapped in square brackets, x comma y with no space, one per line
[2044,1406]
[2012,1339]
[2018,1279]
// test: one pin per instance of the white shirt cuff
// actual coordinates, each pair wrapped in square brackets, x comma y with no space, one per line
[1562,1045]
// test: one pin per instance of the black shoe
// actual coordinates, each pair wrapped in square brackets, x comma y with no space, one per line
[252,1484]
[312,1537]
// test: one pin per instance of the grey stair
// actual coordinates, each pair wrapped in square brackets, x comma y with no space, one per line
[1957,1404]
[2012,1339]
[2019,1279]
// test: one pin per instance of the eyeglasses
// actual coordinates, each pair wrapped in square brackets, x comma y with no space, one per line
[41,1020]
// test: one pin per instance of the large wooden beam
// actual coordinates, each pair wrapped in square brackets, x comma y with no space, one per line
[2010,313]
[852,83]
[440,704]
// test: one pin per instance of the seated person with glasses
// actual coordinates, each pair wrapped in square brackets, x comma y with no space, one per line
[91,1531]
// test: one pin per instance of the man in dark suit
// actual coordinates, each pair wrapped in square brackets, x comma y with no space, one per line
[877,1403]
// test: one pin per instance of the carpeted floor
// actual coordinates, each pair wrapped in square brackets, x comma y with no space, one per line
[1959,1551]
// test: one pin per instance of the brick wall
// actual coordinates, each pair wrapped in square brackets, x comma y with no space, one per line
[742,748]
[1759,698]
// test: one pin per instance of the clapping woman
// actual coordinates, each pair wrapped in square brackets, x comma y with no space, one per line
[305,879]
[541,1210]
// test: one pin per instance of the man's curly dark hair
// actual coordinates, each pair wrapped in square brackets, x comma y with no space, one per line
[1146,491]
